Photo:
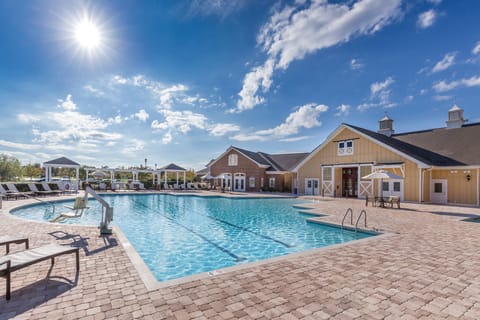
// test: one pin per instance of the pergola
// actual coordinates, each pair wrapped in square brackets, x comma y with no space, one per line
[62,162]
[156,173]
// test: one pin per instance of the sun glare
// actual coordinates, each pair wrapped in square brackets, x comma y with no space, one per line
[87,35]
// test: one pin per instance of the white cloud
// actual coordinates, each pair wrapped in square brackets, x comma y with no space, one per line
[443,86]
[442,98]
[222,8]
[305,116]
[447,61]
[296,31]
[377,88]
[133,147]
[167,138]
[67,104]
[355,64]
[95,91]
[142,115]
[182,121]
[427,19]
[22,146]
[115,120]
[27,118]
[295,139]
[379,95]
[343,110]
[435,2]
[476,49]
[222,129]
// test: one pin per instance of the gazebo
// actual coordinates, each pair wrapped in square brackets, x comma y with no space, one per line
[172,168]
[62,162]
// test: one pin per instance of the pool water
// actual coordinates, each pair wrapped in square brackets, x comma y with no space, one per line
[178,236]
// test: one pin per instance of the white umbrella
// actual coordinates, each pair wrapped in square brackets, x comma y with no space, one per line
[207,176]
[382,174]
[99,174]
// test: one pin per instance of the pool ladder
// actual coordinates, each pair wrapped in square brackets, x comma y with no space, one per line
[350,211]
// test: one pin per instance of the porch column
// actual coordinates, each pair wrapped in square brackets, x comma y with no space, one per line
[165,185]
[184,179]
[77,174]
[177,178]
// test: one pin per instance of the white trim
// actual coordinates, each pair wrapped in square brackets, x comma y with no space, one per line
[344,126]
[478,188]
[233,148]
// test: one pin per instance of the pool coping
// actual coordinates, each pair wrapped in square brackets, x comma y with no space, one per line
[150,281]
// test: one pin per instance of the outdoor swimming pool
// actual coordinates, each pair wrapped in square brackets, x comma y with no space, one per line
[178,236]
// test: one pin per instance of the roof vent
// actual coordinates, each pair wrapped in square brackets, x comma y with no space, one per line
[455,118]
[386,126]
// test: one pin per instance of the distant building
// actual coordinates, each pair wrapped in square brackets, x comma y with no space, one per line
[438,165]
[243,170]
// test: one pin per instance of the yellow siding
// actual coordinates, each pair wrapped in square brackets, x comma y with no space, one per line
[459,189]
[365,151]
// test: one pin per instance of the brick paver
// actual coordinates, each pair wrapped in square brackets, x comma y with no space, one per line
[426,267]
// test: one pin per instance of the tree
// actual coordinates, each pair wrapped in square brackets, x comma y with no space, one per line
[10,168]
[31,171]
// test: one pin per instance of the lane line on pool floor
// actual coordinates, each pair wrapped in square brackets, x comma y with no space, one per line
[231,254]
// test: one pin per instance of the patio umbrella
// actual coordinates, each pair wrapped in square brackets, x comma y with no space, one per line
[382,175]
[99,174]
[206,177]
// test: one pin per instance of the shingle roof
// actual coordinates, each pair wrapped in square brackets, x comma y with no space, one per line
[411,148]
[461,144]
[62,161]
[276,162]
[173,166]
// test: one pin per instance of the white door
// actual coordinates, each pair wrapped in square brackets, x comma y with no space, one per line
[438,191]
[239,182]
[392,188]
[312,186]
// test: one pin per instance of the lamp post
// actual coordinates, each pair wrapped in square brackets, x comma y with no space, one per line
[145,163]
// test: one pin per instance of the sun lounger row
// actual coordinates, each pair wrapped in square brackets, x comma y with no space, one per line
[24,190]
[12,262]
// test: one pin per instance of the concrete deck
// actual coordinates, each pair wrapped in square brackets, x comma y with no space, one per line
[428,267]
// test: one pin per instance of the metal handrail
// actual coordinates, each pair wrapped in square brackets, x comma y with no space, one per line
[44,202]
[107,211]
[349,210]
[364,213]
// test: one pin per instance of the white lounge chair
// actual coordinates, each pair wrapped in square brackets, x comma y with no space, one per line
[46,187]
[13,188]
[36,191]
[76,211]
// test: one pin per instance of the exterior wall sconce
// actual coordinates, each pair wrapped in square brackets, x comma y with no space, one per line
[469,177]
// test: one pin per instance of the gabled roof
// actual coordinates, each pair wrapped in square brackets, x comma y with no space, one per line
[460,144]
[173,167]
[271,162]
[421,154]
[62,161]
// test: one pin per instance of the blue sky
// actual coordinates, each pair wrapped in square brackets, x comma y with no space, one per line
[181,81]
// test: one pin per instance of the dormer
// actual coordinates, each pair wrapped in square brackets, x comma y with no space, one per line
[455,117]
[386,126]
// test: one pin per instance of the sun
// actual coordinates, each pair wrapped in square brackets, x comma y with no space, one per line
[87,35]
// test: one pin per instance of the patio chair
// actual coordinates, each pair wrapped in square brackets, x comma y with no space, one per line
[76,211]
[8,240]
[8,194]
[19,260]
[393,200]
[46,187]
[11,187]
[33,187]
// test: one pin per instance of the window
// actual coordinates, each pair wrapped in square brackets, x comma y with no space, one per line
[345,148]
[251,182]
[233,160]
[327,173]
[365,170]
[271,183]
[385,186]
[396,186]
[438,187]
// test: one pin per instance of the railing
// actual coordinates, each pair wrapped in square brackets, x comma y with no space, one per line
[349,210]
[52,204]
[107,211]
[364,214]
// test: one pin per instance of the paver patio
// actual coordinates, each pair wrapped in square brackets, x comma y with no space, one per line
[426,267]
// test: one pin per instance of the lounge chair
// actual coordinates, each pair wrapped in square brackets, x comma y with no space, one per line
[76,211]
[11,187]
[33,187]
[47,187]
[8,194]
[8,240]
[19,260]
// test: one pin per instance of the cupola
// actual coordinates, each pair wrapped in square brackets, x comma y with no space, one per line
[455,117]
[386,126]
